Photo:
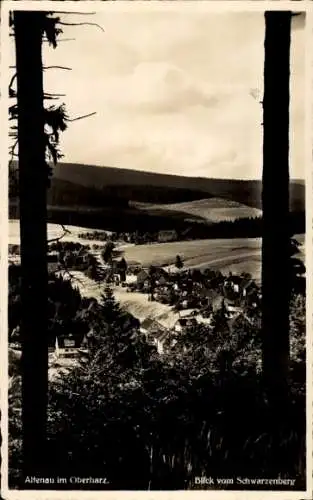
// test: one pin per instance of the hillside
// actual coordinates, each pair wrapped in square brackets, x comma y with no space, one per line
[235,255]
[210,209]
[107,186]
[128,200]
[247,192]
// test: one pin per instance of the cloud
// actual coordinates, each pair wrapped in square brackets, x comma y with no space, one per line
[156,87]
[174,93]
[192,140]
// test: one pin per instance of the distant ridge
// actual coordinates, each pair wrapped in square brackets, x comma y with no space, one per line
[89,182]
[247,192]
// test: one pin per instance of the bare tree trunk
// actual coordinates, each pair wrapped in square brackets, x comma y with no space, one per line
[33,233]
[275,199]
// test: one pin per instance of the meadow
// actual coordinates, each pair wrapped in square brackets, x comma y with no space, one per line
[53,231]
[208,209]
[233,254]
[227,255]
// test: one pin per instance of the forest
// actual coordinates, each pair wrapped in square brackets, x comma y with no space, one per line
[246,227]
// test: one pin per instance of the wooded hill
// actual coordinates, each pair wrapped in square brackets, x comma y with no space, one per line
[134,183]
[110,198]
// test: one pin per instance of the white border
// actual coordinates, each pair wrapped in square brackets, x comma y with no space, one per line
[159,5]
[4,228]
[186,6]
[309,241]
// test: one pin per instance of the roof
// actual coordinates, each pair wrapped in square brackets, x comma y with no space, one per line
[162,279]
[154,328]
[150,322]
[249,283]
[187,312]
[234,308]
[130,278]
[188,319]
[142,275]
[147,323]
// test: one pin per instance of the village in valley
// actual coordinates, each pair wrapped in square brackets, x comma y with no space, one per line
[190,297]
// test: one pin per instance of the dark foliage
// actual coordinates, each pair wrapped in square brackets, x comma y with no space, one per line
[65,306]
[150,422]
[178,262]
[246,192]
[145,227]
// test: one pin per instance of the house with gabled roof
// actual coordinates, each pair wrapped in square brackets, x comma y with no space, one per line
[155,331]
[142,278]
[185,323]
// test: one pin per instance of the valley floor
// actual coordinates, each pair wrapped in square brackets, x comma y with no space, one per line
[235,255]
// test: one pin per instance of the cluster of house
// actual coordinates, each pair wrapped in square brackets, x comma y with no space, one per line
[187,291]
[234,292]
[195,300]
[239,292]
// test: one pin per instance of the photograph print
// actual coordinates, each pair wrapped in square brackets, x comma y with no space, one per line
[156,296]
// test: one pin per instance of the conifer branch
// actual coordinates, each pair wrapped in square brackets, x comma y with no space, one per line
[81,24]
[81,117]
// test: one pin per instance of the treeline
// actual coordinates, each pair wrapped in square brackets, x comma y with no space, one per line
[247,227]
[144,227]
[95,235]
[250,227]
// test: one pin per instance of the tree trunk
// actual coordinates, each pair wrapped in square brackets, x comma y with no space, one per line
[33,234]
[275,200]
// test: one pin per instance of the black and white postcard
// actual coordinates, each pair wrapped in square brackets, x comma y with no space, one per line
[156,252]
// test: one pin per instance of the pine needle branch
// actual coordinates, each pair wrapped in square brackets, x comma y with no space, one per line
[57,67]
[65,231]
[60,40]
[12,80]
[74,12]
[81,117]
[81,24]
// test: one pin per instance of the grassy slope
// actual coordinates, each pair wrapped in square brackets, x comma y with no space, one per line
[210,209]
[237,254]
[193,252]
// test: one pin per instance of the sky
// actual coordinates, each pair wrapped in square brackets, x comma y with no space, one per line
[174,92]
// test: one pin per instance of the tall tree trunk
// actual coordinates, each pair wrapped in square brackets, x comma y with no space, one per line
[275,199]
[33,233]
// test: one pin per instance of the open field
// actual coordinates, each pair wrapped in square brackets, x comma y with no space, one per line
[217,254]
[208,209]
[54,231]
[235,255]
